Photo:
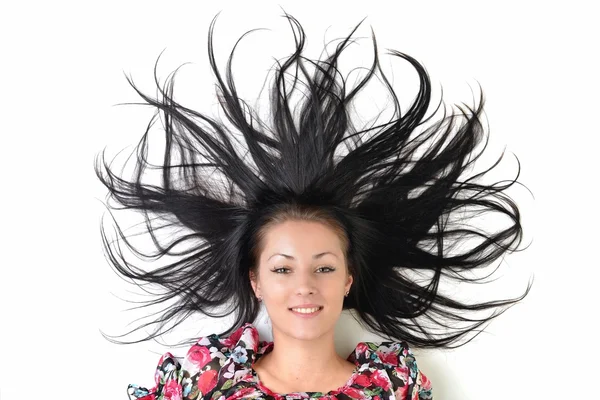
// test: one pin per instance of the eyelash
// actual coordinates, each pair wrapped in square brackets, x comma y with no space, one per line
[331,269]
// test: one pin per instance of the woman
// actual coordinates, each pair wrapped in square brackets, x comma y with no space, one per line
[310,214]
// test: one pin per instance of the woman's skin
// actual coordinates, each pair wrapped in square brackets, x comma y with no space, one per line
[312,270]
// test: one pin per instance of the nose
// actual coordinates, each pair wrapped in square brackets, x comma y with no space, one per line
[306,283]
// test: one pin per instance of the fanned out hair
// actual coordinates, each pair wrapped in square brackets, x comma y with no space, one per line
[402,192]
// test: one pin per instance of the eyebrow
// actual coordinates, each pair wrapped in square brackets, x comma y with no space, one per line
[316,256]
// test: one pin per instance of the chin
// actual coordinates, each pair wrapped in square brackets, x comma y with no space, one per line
[308,333]
[307,329]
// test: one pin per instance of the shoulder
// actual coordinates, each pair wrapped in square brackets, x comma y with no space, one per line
[214,348]
[197,374]
[398,362]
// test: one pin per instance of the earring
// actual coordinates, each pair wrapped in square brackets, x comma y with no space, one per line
[347,293]
[259,298]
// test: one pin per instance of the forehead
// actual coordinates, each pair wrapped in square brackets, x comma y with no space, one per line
[301,237]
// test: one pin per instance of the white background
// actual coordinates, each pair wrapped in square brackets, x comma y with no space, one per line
[62,66]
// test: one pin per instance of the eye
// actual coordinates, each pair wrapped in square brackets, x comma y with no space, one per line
[278,270]
[329,269]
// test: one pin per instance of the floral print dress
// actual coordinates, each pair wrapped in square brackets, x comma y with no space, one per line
[219,368]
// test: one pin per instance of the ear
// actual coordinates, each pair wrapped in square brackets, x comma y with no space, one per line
[254,283]
[349,282]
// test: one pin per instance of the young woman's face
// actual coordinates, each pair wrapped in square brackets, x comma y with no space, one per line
[302,263]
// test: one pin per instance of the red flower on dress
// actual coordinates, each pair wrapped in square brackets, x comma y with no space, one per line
[199,356]
[354,393]
[361,348]
[207,381]
[381,379]
[390,358]
[231,340]
[172,390]
[362,380]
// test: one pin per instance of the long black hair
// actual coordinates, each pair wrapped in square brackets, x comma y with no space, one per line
[403,192]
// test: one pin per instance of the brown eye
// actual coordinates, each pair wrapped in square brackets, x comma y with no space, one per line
[329,269]
[277,270]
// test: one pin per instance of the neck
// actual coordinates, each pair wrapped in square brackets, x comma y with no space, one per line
[304,363]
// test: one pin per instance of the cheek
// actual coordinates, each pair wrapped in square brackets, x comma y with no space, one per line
[273,287]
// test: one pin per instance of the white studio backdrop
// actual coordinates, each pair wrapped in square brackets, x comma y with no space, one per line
[62,70]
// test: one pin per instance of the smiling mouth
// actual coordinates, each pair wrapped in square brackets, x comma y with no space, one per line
[306,311]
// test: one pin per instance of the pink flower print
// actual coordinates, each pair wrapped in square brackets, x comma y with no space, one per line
[425,382]
[401,392]
[198,356]
[172,390]
[362,348]
[354,393]
[401,372]
[380,378]
[255,335]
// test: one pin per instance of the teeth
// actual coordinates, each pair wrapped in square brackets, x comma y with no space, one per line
[306,310]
